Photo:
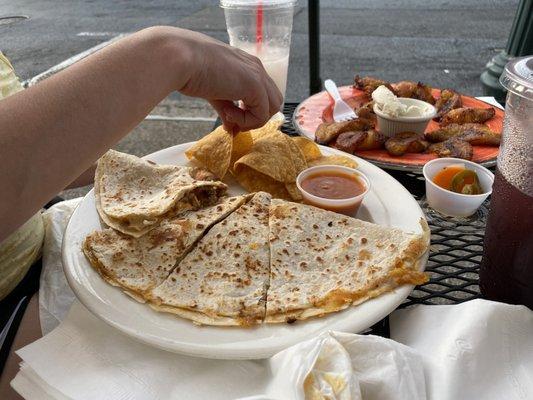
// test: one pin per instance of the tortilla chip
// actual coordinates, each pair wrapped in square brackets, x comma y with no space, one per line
[213,151]
[270,127]
[334,160]
[310,149]
[298,158]
[243,141]
[254,181]
[242,144]
[293,191]
[271,155]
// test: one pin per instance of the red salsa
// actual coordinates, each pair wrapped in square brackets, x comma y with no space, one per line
[333,185]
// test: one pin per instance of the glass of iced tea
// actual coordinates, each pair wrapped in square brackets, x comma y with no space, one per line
[506,272]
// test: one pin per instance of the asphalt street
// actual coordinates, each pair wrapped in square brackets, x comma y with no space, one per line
[444,43]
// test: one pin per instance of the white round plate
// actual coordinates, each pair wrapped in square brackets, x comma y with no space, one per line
[388,203]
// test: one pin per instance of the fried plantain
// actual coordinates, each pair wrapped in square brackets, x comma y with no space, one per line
[453,148]
[328,131]
[413,90]
[351,142]
[476,134]
[373,140]
[366,111]
[465,115]
[406,142]
[448,100]
[480,138]
[452,130]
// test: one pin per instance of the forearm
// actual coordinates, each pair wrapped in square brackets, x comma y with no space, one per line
[52,132]
[86,178]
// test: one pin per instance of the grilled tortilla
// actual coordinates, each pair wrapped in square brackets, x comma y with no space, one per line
[223,281]
[322,262]
[133,195]
[140,264]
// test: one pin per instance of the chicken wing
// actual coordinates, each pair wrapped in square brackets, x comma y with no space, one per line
[328,131]
[413,90]
[453,148]
[368,84]
[448,100]
[465,115]
[406,142]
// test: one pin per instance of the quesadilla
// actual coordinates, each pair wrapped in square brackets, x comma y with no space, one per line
[322,262]
[223,281]
[133,195]
[140,264]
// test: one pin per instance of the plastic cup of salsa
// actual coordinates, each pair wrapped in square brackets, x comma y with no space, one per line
[334,188]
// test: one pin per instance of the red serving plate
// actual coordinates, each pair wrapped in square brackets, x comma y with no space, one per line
[319,108]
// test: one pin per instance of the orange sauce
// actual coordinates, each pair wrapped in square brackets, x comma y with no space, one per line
[333,185]
[444,176]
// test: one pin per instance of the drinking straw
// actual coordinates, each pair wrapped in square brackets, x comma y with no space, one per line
[259,27]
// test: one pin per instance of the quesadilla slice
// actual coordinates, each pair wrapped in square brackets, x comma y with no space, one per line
[140,264]
[322,262]
[133,195]
[223,281]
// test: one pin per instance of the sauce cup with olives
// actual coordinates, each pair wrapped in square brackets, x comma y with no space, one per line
[457,200]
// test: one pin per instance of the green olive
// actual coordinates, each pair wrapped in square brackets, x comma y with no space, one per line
[459,185]
[472,188]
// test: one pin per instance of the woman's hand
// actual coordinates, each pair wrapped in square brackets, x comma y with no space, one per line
[223,75]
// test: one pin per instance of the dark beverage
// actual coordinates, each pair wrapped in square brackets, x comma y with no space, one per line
[507,268]
[506,272]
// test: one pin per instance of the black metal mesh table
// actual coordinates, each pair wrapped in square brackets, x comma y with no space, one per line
[455,252]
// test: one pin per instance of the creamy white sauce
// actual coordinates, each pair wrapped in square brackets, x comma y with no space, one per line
[391,105]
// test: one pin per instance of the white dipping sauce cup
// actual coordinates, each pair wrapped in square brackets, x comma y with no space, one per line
[390,126]
[348,206]
[451,203]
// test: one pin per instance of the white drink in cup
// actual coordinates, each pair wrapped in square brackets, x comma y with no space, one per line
[274,59]
[262,28]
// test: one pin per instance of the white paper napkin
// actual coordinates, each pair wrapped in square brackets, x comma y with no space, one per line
[85,359]
[55,295]
[475,350]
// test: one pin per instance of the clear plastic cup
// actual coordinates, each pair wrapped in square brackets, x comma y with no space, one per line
[262,28]
[506,271]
